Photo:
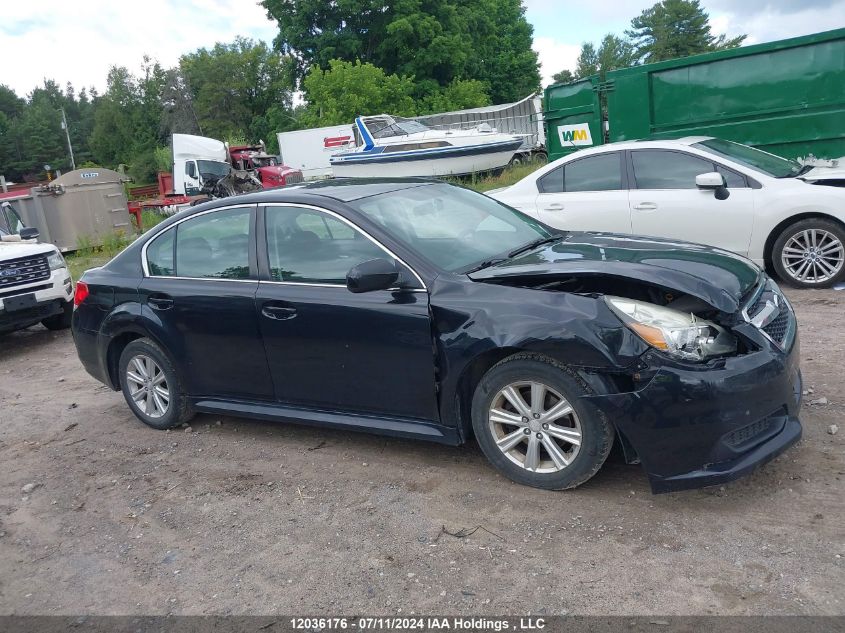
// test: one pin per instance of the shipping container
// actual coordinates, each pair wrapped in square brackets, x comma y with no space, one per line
[785,97]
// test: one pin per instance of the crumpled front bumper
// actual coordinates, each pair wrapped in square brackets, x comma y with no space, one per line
[694,426]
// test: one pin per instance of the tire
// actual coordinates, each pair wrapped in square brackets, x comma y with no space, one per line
[143,359]
[814,248]
[60,321]
[590,428]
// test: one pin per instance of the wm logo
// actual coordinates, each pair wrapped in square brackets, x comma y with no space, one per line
[577,135]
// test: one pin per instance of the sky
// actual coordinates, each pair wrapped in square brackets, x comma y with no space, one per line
[77,41]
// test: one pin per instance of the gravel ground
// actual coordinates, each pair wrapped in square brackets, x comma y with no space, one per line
[102,515]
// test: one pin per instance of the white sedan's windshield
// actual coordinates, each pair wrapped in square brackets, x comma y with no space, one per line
[451,227]
[756,159]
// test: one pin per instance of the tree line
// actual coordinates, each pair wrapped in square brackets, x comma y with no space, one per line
[666,30]
[345,58]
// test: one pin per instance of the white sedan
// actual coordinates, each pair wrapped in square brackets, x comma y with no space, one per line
[700,189]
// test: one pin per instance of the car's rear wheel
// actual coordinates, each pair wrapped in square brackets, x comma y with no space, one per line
[60,321]
[529,422]
[151,385]
[810,254]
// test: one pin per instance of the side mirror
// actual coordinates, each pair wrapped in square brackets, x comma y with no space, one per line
[29,233]
[713,181]
[375,274]
[190,169]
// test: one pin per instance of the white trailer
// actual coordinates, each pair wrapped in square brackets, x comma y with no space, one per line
[310,150]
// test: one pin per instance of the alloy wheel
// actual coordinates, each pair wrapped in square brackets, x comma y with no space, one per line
[813,256]
[535,427]
[147,386]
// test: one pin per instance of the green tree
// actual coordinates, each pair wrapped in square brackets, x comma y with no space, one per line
[588,61]
[458,95]
[233,87]
[565,76]
[614,52]
[675,28]
[434,41]
[348,89]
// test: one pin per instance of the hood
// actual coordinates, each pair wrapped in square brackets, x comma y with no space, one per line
[13,250]
[719,277]
[835,170]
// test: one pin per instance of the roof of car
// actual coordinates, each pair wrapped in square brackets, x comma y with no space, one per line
[342,189]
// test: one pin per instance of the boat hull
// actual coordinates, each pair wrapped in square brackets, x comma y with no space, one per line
[458,161]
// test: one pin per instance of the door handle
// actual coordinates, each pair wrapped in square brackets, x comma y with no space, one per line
[160,301]
[278,313]
[645,206]
[554,206]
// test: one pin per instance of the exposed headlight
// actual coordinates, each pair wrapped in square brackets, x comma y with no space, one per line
[677,333]
[56,260]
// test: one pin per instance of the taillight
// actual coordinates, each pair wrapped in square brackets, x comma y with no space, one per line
[81,293]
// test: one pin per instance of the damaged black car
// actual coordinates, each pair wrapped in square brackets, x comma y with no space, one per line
[421,309]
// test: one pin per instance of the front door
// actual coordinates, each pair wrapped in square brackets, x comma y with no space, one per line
[200,294]
[328,348]
[665,201]
[586,194]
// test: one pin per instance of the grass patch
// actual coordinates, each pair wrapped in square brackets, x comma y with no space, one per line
[508,177]
[89,256]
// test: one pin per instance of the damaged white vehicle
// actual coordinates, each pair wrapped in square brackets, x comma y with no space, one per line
[781,214]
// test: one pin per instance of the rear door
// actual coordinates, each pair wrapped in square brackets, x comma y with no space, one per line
[586,194]
[328,348]
[665,201]
[199,294]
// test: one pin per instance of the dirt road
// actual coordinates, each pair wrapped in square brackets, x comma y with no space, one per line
[236,516]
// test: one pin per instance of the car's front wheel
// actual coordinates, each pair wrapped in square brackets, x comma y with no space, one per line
[151,385]
[530,424]
[810,254]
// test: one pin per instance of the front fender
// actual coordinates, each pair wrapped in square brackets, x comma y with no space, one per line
[481,323]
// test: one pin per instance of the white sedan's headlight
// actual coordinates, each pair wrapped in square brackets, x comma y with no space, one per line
[677,333]
[56,260]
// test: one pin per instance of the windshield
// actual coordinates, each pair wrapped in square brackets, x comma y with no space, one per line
[452,227]
[213,169]
[756,159]
[380,127]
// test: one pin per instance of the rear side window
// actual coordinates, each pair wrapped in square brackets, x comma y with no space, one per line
[309,246]
[160,255]
[551,182]
[594,173]
[214,245]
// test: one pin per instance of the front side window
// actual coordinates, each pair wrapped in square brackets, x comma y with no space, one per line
[309,246]
[452,227]
[594,173]
[660,169]
[214,245]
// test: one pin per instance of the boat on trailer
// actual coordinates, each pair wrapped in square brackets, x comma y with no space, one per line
[398,147]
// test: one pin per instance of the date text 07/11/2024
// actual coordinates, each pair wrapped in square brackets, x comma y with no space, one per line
[418,623]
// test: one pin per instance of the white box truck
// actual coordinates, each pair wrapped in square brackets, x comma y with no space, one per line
[310,150]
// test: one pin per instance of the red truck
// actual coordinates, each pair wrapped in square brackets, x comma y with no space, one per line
[268,170]
[206,168]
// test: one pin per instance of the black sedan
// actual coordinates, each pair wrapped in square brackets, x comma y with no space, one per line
[420,309]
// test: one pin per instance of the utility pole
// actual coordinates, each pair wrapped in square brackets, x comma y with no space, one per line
[67,134]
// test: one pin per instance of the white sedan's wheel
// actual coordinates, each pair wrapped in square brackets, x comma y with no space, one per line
[811,254]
